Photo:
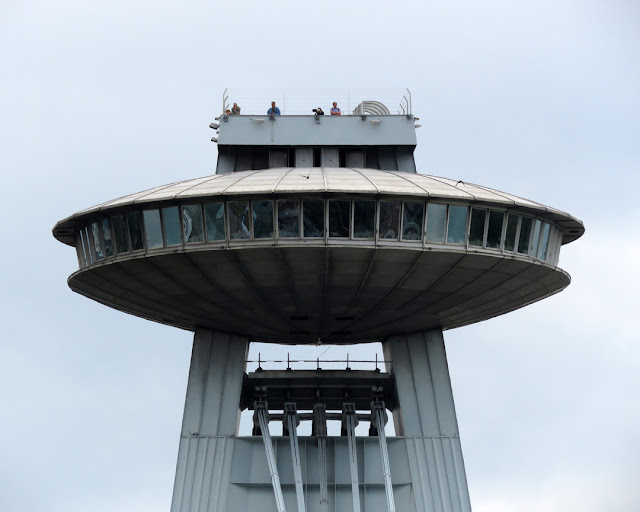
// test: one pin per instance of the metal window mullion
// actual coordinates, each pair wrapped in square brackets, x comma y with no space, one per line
[533,250]
[503,233]
[89,241]
[517,240]
[352,215]
[83,240]
[446,226]
[487,217]
[80,250]
[326,218]
[251,234]
[424,227]
[162,230]
[125,216]
[183,237]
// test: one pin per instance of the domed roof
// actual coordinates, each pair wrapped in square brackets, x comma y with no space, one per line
[301,180]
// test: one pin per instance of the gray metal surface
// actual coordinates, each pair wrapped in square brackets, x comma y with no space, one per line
[306,131]
[426,417]
[218,471]
[337,294]
[321,180]
[211,412]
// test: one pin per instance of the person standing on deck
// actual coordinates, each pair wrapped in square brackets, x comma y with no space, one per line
[335,111]
[273,111]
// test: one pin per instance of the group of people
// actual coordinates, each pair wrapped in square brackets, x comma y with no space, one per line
[334,111]
[275,111]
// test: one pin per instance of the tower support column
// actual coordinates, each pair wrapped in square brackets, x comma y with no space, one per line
[426,417]
[210,421]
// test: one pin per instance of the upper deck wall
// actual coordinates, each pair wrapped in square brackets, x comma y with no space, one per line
[346,130]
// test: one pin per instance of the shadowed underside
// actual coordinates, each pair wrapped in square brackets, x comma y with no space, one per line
[311,294]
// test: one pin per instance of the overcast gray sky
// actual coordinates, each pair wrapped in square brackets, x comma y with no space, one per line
[102,99]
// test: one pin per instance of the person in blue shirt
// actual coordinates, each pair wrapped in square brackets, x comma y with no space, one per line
[273,111]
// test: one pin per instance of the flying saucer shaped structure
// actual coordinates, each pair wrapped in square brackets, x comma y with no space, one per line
[337,254]
[318,229]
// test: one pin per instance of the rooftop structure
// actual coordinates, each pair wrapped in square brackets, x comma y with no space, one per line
[318,229]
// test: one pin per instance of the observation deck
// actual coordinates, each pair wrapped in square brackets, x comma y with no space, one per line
[317,228]
[302,254]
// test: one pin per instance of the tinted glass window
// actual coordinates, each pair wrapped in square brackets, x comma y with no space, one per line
[83,248]
[152,228]
[412,221]
[536,237]
[171,218]
[525,235]
[239,228]
[98,249]
[457,224]
[494,232]
[512,228]
[364,219]
[87,241]
[214,218]
[106,236]
[263,219]
[288,219]
[544,241]
[313,219]
[436,221]
[389,220]
[120,233]
[339,218]
[192,224]
[476,227]
[134,220]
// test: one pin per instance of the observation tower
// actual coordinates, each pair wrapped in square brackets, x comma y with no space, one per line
[318,229]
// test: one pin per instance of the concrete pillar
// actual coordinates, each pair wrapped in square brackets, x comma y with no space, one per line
[426,417]
[210,421]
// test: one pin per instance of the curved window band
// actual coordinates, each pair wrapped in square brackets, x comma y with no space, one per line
[406,222]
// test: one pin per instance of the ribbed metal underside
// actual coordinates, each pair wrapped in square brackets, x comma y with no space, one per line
[307,294]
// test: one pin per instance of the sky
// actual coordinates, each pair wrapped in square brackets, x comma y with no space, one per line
[102,99]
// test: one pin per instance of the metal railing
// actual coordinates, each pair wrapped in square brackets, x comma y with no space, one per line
[303,101]
[317,361]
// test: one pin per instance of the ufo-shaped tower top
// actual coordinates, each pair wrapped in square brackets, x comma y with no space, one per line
[318,228]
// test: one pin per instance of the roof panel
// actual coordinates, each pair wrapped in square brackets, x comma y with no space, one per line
[328,179]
